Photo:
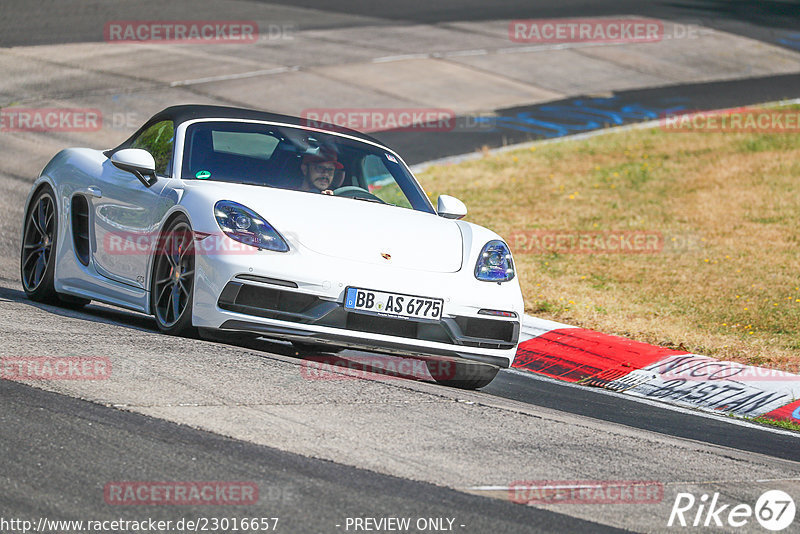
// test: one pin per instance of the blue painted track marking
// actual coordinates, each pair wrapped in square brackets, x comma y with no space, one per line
[580,115]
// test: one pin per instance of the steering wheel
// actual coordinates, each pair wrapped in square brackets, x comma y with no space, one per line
[353,191]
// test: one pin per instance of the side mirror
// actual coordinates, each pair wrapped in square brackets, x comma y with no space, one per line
[450,207]
[136,161]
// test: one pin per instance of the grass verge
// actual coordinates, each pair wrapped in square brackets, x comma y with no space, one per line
[780,423]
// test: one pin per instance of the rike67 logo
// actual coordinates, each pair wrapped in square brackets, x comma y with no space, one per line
[774,510]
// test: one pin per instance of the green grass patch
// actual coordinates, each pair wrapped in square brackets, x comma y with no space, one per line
[780,423]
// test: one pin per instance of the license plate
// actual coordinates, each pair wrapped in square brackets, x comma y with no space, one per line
[397,304]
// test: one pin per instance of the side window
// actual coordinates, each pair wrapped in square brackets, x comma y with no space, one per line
[381,183]
[158,140]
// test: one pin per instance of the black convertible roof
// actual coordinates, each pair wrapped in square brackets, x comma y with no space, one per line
[187,112]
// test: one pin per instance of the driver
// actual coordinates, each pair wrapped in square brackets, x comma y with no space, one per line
[318,172]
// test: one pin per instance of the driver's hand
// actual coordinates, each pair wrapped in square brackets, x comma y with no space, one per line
[327,192]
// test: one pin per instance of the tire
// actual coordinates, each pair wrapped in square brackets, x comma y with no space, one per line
[172,280]
[37,255]
[460,374]
[38,252]
[316,347]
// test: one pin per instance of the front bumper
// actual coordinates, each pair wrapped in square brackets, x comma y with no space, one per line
[254,293]
[460,333]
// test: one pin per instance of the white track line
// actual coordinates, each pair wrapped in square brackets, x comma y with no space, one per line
[675,483]
[485,51]
[238,76]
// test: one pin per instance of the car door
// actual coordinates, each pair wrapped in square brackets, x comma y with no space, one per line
[127,213]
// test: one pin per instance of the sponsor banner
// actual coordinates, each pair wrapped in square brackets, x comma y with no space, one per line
[739,120]
[705,369]
[181,31]
[180,493]
[590,30]
[586,492]
[50,119]
[703,382]
[54,368]
[621,383]
[576,355]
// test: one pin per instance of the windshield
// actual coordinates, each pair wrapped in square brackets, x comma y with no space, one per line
[298,159]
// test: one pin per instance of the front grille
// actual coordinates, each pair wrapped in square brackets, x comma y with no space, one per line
[266,298]
[381,325]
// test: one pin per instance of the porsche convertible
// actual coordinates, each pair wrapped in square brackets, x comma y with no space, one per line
[220,220]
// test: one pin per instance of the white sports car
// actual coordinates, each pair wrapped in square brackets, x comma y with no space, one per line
[216,219]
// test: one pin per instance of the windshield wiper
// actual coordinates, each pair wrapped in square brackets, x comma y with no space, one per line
[365,199]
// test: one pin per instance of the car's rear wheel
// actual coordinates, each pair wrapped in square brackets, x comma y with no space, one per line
[460,374]
[38,255]
[172,288]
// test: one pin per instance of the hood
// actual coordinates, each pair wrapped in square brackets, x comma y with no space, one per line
[355,230]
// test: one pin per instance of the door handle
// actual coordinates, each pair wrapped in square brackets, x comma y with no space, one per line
[95,192]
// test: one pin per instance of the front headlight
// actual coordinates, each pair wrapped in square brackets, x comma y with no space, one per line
[246,226]
[494,263]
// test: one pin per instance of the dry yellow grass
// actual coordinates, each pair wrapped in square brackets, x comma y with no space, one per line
[727,282]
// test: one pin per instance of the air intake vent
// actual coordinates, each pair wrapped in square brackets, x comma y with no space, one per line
[486,328]
[80,228]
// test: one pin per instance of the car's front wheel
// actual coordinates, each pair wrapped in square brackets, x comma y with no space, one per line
[460,374]
[172,288]
[38,255]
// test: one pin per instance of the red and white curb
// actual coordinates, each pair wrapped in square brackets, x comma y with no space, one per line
[577,355]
